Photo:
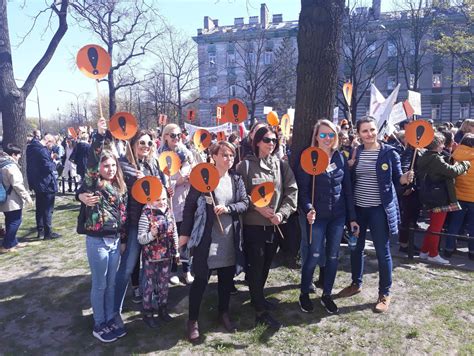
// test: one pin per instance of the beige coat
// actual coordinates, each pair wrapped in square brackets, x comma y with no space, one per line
[12,176]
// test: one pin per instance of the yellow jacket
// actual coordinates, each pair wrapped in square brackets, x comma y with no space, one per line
[465,183]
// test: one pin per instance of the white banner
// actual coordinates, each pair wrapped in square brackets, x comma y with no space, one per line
[414,98]
[398,114]
[291,114]
[227,128]
[376,100]
[383,113]
[267,109]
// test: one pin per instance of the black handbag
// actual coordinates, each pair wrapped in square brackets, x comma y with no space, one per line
[81,220]
[432,193]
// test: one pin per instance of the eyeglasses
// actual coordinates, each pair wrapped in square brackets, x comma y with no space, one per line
[268,140]
[330,135]
[173,136]
[145,143]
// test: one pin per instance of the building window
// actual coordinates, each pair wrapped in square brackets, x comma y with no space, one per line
[412,81]
[436,112]
[212,60]
[465,111]
[252,58]
[436,80]
[268,59]
[371,49]
[391,82]
[232,91]
[391,49]
[230,59]
[213,91]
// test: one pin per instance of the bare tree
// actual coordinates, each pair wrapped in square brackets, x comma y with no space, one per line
[257,71]
[127,29]
[410,34]
[178,57]
[319,40]
[12,97]
[361,55]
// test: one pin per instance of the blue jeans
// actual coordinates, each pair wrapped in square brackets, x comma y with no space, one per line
[127,265]
[12,224]
[457,221]
[323,251]
[375,219]
[103,260]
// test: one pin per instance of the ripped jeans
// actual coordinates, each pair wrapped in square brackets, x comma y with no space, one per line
[323,251]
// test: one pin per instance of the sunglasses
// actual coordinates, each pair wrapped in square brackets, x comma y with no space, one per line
[145,143]
[324,135]
[173,136]
[268,140]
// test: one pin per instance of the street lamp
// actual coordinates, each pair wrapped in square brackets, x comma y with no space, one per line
[77,100]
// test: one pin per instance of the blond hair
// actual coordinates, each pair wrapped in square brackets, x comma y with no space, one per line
[327,123]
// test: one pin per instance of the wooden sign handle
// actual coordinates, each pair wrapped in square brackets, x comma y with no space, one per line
[217,216]
[413,159]
[312,204]
[98,98]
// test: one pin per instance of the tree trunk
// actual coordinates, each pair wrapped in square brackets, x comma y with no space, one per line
[319,34]
[112,101]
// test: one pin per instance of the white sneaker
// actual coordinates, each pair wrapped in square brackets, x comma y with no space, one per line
[423,255]
[438,259]
[188,277]
[174,280]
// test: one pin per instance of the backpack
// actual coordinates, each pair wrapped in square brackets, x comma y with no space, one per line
[3,191]
[432,193]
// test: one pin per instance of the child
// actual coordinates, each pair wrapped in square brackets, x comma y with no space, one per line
[158,234]
[103,219]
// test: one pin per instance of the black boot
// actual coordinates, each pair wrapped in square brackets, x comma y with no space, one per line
[163,313]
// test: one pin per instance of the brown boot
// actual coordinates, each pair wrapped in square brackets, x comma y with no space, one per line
[382,304]
[225,321]
[193,331]
[349,291]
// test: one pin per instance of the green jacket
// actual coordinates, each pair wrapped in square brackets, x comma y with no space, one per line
[435,165]
[255,171]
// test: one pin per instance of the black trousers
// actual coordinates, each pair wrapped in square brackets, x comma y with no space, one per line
[409,212]
[259,250]
[174,265]
[44,212]
[225,282]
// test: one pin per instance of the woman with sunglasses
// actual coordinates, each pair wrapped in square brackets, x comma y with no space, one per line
[137,163]
[171,141]
[259,223]
[375,174]
[333,206]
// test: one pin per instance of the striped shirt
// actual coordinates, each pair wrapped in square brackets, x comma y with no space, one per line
[366,190]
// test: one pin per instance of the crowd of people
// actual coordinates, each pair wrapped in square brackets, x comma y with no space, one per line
[369,184]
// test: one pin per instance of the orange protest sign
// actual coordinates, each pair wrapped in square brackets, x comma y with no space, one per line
[220,114]
[191,115]
[169,163]
[262,194]
[419,133]
[162,119]
[147,189]
[202,139]
[314,161]
[409,111]
[221,136]
[93,61]
[236,111]
[72,132]
[204,177]
[347,91]
[285,125]
[272,118]
[123,125]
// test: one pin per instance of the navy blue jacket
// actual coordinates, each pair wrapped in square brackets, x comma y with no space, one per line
[389,171]
[333,191]
[79,157]
[40,168]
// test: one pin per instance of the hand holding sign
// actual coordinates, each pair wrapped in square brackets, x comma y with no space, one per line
[147,189]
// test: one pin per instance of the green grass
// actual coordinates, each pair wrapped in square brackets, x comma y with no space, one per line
[45,308]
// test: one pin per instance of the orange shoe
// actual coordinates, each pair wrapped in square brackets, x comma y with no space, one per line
[382,304]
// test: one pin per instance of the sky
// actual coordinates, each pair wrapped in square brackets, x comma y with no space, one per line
[62,73]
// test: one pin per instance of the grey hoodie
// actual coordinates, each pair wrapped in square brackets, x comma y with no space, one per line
[255,171]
